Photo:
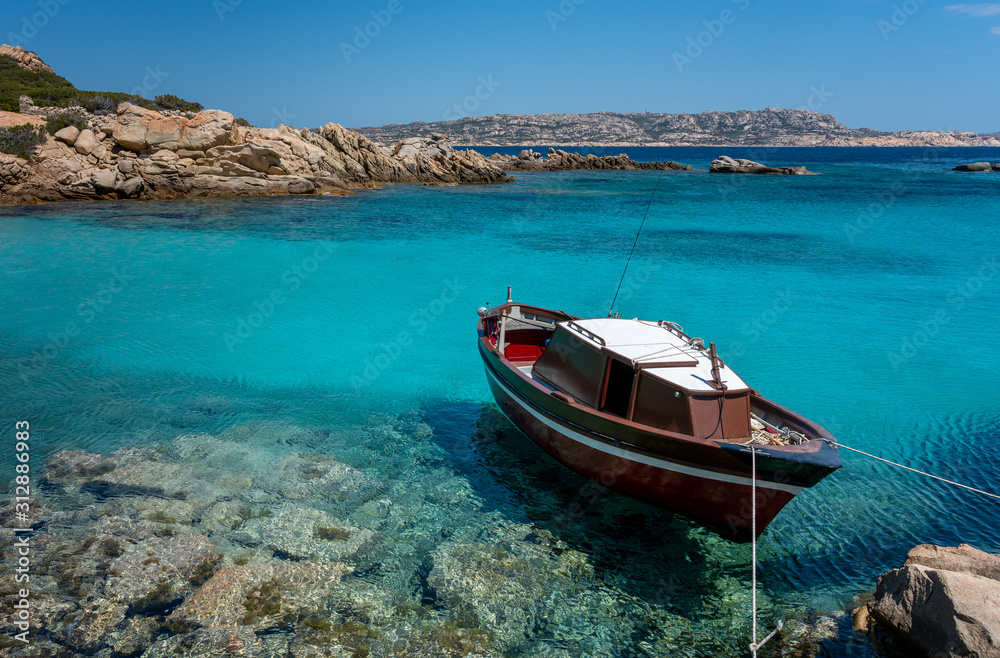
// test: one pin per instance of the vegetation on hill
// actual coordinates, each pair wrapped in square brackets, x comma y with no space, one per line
[21,140]
[64,120]
[51,90]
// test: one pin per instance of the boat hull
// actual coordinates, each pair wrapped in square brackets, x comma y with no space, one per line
[703,495]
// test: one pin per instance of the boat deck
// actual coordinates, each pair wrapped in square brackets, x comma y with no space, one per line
[658,350]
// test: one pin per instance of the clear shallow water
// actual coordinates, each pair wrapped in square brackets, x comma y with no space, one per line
[344,327]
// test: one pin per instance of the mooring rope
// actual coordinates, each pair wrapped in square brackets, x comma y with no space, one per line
[753,474]
[637,233]
[753,533]
[930,475]
[754,646]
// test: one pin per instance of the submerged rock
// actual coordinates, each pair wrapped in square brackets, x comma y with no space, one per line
[153,574]
[297,532]
[258,595]
[943,600]
[506,584]
[726,165]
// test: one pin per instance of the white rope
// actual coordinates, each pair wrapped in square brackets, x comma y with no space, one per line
[753,530]
[679,349]
[930,475]
[753,533]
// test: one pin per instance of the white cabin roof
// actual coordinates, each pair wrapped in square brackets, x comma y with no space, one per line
[638,341]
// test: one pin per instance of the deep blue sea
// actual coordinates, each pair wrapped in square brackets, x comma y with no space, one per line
[866,298]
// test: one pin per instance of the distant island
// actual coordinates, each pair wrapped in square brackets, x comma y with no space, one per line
[768,127]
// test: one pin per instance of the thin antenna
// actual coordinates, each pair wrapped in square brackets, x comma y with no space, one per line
[635,243]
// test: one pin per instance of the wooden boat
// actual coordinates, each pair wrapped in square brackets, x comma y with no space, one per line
[649,411]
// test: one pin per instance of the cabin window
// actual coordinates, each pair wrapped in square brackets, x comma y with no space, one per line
[572,366]
[619,389]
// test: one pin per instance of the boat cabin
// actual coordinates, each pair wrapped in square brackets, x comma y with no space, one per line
[645,372]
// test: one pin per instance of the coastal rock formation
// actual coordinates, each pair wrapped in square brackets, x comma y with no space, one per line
[977,166]
[138,129]
[943,600]
[430,160]
[26,59]
[726,165]
[13,170]
[435,144]
[768,127]
[559,160]
[140,153]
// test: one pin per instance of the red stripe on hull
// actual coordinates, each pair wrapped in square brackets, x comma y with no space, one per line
[724,506]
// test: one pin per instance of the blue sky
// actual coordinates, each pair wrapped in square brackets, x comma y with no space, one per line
[887,65]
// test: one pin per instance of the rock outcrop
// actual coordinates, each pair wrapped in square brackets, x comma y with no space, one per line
[140,153]
[559,160]
[977,166]
[11,119]
[26,59]
[945,601]
[726,165]
[138,129]
[430,160]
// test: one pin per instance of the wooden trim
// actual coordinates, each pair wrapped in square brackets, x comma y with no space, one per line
[665,364]
[632,396]
[562,397]
[604,385]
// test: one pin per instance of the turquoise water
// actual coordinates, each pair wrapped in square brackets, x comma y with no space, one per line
[866,298]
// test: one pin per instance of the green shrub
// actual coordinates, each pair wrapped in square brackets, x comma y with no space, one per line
[64,120]
[240,121]
[21,140]
[106,102]
[171,102]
